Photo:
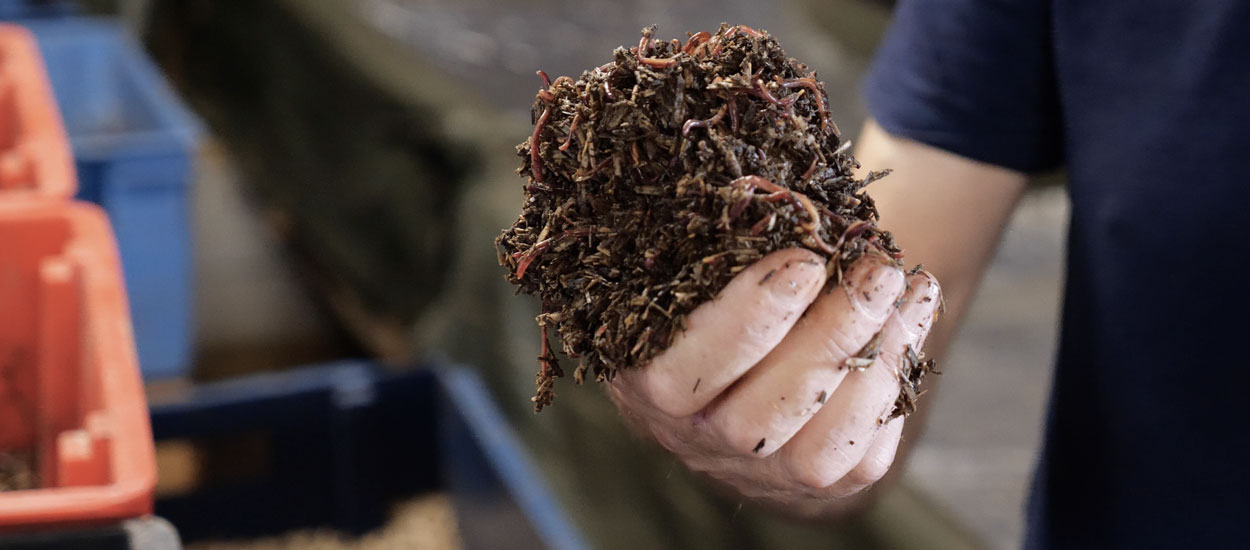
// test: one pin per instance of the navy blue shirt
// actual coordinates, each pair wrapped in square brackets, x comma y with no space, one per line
[1146,104]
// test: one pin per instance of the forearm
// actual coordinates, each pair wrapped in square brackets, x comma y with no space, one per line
[947,212]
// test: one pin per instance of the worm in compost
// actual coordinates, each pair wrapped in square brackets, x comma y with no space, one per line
[632,218]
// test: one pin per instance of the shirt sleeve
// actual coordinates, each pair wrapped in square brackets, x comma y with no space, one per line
[973,77]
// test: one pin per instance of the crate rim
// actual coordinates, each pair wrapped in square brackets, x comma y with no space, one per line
[178,128]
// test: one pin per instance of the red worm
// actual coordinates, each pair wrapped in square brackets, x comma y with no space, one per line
[765,224]
[810,169]
[720,41]
[536,160]
[542,246]
[856,229]
[811,84]
[544,353]
[696,123]
[764,93]
[577,117]
[695,41]
[644,47]
[800,200]
[579,176]
[744,30]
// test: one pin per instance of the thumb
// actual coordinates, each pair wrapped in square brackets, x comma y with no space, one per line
[730,334]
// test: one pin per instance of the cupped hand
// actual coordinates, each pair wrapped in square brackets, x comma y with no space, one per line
[768,391]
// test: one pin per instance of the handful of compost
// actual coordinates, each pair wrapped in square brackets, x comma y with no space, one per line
[654,179]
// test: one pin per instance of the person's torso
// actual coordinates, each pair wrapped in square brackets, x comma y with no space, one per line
[1147,444]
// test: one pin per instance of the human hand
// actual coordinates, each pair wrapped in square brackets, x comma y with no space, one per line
[758,392]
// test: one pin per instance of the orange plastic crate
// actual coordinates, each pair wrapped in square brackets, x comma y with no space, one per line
[35,157]
[70,388]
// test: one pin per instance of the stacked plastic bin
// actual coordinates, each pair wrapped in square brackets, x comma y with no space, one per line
[132,141]
[341,441]
[72,407]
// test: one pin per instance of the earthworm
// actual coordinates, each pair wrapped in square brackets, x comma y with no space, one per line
[744,30]
[577,117]
[644,47]
[579,176]
[528,257]
[544,354]
[720,40]
[811,84]
[856,229]
[696,123]
[810,169]
[695,41]
[801,201]
[764,93]
[765,224]
[536,160]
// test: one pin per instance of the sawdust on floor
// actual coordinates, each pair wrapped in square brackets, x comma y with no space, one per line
[427,522]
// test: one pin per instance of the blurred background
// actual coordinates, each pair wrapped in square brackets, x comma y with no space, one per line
[348,163]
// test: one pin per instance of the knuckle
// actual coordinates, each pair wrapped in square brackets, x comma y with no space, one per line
[658,392]
[738,434]
[675,407]
[815,477]
[748,431]
[871,470]
[819,472]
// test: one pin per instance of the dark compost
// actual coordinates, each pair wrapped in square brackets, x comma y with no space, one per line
[653,179]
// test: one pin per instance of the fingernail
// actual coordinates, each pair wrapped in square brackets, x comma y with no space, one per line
[795,278]
[920,302]
[875,286]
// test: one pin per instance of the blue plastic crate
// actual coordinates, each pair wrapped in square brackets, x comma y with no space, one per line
[29,9]
[133,142]
[337,443]
[501,500]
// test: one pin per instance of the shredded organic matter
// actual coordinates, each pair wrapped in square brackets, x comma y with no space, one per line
[16,472]
[656,177]
[911,373]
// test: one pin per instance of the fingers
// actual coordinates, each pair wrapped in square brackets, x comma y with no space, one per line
[776,397]
[835,439]
[730,334]
[875,464]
